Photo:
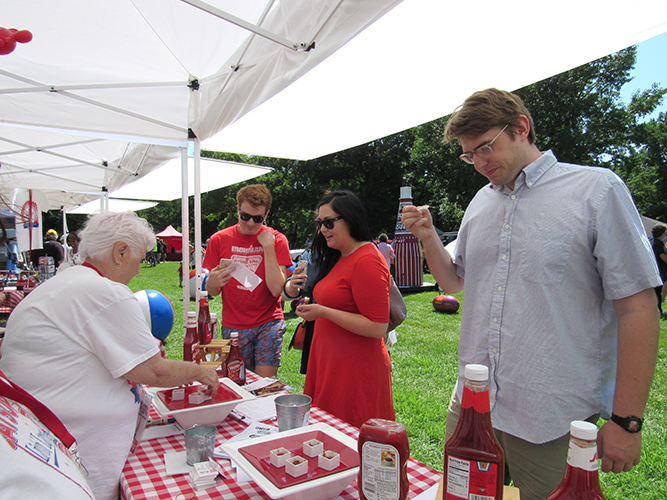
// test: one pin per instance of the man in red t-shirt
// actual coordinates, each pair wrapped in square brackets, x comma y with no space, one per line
[255,314]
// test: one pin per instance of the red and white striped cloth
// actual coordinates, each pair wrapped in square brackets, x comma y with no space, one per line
[144,474]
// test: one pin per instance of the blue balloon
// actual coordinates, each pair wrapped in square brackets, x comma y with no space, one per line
[158,311]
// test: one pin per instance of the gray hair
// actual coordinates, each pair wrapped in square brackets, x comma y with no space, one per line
[103,231]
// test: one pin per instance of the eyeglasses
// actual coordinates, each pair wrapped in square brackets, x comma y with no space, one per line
[257,219]
[328,223]
[483,151]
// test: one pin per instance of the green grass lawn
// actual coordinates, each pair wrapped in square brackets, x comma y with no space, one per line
[424,372]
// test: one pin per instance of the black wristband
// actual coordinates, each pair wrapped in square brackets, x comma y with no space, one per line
[285,290]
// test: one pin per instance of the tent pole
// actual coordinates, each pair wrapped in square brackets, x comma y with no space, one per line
[185,234]
[197,219]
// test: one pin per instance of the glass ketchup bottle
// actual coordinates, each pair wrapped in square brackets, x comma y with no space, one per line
[204,319]
[581,481]
[191,340]
[233,367]
[383,451]
[474,460]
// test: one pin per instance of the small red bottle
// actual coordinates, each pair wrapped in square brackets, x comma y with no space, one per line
[191,340]
[581,481]
[233,367]
[474,460]
[204,319]
[383,452]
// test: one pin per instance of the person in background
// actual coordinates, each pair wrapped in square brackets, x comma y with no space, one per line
[83,352]
[255,313]
[299,286]
[53,248]
[387,252]
[564,317]
[73,257]
[349,369]
[658,232]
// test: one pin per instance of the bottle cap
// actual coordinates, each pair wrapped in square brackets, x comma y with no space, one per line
[192,314]
[479,373]
[406,192]
[214,316]
[234,335]
[584,430]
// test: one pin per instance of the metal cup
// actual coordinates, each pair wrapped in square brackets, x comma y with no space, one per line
[199,443]
[293,411]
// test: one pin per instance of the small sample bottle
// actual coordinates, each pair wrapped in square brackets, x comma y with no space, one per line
[581,481]
[204,319]
[233,367]
[474,460]
[191,340]
[383,451]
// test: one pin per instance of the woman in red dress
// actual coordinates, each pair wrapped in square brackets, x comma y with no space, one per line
[349,370]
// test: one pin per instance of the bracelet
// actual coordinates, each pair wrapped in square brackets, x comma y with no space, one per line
[285,291]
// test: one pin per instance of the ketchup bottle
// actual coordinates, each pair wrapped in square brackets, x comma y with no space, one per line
[204,319]
[383,451]
[191,340]
[581,481]
[233,367]
[474,460]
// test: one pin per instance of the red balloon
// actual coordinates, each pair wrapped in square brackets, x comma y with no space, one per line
[9,37]
[446,303]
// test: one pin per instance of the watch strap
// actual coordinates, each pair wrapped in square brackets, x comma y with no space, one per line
[631,424]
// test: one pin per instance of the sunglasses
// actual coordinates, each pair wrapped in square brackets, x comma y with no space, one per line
[257,219]
[328,223]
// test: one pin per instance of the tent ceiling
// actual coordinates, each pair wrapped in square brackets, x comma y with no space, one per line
[141,73]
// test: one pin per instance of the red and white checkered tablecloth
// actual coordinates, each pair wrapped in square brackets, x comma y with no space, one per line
[144,475]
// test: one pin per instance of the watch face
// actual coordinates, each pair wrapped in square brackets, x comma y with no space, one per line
[633,426]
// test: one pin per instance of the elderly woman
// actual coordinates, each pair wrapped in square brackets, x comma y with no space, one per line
[79,343]
[349,370]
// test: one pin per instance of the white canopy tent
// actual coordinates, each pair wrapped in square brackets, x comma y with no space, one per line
[147,72]
[162,72]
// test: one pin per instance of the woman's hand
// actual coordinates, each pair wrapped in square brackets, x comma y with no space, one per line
[310,312]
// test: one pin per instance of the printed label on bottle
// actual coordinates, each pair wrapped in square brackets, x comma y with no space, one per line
[234,369]
[479,401]
[381,476]
[195,353]
[583,457]
[470,480]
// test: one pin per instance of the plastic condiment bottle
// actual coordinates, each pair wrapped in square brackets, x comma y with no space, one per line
[383,451]
[204,319]
[581,481]
[233,367]
[474,460]
[214,325]
[191,340]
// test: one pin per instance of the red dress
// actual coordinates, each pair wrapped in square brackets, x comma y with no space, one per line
[350,375]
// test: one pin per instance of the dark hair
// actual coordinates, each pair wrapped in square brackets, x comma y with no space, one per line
[347,205]
[658,230]
[383,238]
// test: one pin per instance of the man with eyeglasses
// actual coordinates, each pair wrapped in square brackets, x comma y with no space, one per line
[557,276]
[256,314]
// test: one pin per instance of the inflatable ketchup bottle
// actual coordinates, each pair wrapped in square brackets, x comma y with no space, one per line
[233,367]
[191,340]
[204,319]
[474,460]
[581,481]
[383,452]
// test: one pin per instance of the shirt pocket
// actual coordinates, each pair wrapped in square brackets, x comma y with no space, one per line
[545,256]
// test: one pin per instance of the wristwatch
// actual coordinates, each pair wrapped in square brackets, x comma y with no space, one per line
[631,424]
